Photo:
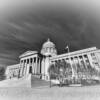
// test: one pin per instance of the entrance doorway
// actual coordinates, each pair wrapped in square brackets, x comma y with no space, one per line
[30,69]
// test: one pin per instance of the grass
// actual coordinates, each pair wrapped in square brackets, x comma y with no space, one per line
[53,93]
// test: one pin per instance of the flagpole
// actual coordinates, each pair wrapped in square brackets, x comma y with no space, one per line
[67,48]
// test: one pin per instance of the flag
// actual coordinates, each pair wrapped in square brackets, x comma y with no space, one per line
[67,48]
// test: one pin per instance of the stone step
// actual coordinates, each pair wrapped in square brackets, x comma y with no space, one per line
[75,85]
[37,82]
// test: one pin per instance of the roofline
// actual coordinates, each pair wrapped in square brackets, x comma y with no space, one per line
[22,55]
[75,52]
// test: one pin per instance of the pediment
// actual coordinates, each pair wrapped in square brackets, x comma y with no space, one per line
[27,53]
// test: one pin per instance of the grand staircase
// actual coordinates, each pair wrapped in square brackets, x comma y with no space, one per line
[30,80]
[36,82]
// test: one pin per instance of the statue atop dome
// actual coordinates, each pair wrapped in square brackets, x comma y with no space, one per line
[48,48]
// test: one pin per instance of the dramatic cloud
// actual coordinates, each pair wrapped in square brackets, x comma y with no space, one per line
[28,25]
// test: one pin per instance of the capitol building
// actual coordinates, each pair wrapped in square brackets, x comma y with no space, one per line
[38,63]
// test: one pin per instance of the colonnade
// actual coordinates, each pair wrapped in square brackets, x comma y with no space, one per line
[84,60]
[30,65]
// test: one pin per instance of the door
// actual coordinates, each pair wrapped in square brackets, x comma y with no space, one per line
[30,69]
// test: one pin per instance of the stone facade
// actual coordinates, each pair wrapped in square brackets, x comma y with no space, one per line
[87,58]
[38,63]
[12,71]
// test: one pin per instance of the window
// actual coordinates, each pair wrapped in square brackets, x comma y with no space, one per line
[92,54]
[27,61]
[31,60]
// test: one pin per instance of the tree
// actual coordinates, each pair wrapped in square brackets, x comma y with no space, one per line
[2,73]
[52,71]
[60,70]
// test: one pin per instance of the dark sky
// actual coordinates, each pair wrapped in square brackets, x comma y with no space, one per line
[27,26]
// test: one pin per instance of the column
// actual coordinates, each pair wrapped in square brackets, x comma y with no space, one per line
[79,62]
[9,75]
[24,68]
[98,60]
[84,67]
[79,59]
[84,61]
[90,60]
[43,68]
[39,67]
[21,72]
[71,67]
[90,68]
[79,69]
[31,61]
[36,65]
[33,65]
[75,65]
[25,72]
[29,65]
[20,68]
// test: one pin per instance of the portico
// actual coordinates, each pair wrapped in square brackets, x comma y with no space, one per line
[30,63]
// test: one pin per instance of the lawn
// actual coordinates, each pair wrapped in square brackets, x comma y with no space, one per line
[54,93]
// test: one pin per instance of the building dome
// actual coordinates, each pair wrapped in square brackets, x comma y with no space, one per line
[48,48]
[48,43]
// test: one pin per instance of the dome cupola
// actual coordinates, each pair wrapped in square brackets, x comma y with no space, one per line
[48,48]
[48,44]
